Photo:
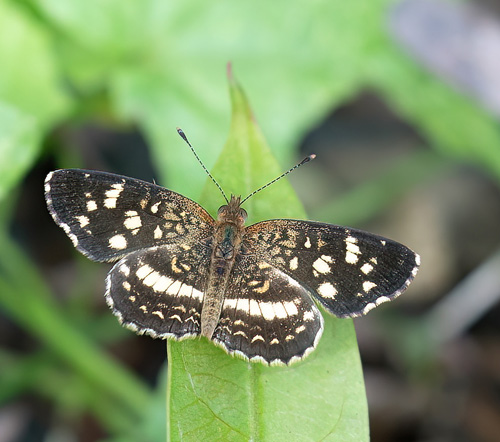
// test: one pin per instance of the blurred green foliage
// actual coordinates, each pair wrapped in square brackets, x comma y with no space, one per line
[160,64]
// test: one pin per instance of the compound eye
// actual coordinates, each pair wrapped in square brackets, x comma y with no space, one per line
[221,209]
[243,214]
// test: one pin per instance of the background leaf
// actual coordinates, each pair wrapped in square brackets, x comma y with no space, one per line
[214,396]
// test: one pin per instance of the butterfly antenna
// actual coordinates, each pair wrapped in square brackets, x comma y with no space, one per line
[183,135]
[304,161]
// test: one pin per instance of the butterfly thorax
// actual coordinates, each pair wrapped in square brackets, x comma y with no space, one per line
[228,233]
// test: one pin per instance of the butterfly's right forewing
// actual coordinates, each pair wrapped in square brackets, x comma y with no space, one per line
[347,270]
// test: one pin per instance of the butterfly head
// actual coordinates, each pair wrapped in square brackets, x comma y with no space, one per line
[232,212]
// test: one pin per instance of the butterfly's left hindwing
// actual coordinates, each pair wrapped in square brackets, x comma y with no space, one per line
[347,270]
[160,291]
[108,216]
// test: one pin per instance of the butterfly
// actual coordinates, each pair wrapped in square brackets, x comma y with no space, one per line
[253,290]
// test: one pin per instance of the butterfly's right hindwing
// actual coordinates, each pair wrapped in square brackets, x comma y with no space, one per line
[267,315]
[108,216]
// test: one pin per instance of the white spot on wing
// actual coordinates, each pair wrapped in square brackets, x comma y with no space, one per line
[73,239]
[115,191]
[257,338]
[118,242]
[353,248]
[377,302]
[143,271]
[279,310]
[307,244]
[83,220]
[91,206]
[300,329]
[177,288]
[321,266]
[133,222]
[308,316]
[151,279]
[158,233]
[368,285]
[351,258]
[162,284]
[159,314]
[254,308]
[154,207]
[267,310]
[294,263]
[242,304]
[327,290]
[110,203]
[366,268]
[291,308]
[47,179]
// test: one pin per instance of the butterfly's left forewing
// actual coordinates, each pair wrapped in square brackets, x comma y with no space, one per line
[108,216]
[347,270]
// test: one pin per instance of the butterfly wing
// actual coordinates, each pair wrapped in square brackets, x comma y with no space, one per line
[267,315]
[348,271]
[160,291]
[108,216]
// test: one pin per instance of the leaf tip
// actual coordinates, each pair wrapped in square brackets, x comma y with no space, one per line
[229,72]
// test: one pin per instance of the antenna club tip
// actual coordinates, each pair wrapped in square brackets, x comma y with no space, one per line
[183,135]
[307,159]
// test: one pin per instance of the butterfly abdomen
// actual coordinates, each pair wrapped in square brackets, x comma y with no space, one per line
[226,245]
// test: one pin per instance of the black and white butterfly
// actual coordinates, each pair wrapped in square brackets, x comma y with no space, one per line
[252,290]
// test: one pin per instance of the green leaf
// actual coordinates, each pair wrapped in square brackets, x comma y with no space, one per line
[212,396]
[19,146]
[30,97]
[29,81]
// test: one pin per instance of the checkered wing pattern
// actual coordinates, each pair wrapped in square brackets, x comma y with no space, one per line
[160,291]
[251,290]
[348,271]
[267,315]
[108,216]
